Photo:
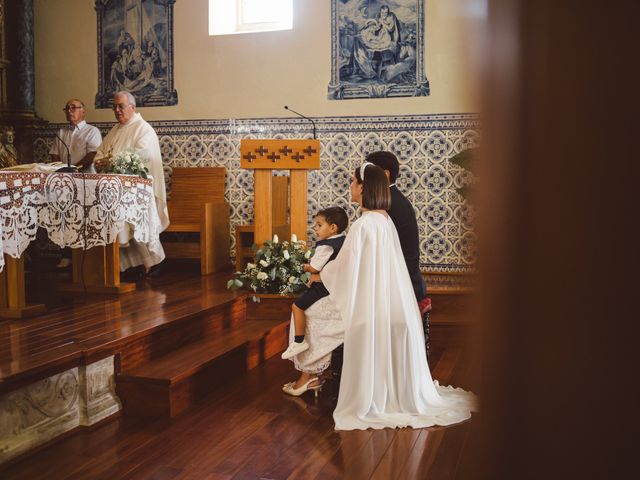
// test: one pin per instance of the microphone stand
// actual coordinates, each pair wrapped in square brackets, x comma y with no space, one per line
[306,118]
[69,168]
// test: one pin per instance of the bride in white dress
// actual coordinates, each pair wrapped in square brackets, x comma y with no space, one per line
[385,378]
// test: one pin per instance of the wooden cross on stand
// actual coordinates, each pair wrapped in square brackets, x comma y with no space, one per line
[264,156]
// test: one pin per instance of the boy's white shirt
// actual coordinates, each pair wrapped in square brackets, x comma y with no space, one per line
[323,253]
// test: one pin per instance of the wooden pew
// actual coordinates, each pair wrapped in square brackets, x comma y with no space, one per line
[281,227]
[197,205]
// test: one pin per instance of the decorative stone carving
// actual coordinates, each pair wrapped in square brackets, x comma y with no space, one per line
[98,399]
[47,408]
[54,396]
[8,153]
[37,413]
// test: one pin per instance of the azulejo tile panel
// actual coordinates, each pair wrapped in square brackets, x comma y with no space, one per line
[422,143]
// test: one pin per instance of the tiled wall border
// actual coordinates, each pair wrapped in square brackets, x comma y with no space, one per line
[423,143]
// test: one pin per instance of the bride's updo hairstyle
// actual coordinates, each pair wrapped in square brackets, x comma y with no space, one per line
[375,189]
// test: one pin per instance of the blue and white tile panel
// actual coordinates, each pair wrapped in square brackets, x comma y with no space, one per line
[422,143]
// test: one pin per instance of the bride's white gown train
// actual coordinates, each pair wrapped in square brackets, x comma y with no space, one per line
[385,377]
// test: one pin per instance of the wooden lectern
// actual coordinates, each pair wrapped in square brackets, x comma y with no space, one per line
[264,156]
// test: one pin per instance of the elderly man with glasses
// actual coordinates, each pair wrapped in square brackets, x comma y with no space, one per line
[81,140]
[133,133]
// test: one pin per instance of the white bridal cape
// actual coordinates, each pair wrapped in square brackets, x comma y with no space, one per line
[385,377]
[139,136]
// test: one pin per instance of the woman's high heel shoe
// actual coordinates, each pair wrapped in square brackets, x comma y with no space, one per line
[290,389]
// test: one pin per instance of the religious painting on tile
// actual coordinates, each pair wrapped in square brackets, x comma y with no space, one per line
[135,51]
[377,49]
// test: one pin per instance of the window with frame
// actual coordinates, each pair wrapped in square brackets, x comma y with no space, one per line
[249,16]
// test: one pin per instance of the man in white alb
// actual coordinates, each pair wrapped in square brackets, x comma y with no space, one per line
[80,138]
[82,141]
[132,132]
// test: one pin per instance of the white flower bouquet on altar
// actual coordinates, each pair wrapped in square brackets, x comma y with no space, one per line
[127,162]
[278,268]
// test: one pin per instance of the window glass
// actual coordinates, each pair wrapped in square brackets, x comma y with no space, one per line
[248,16]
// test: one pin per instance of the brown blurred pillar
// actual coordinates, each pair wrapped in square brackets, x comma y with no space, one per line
[559,258]
[17,73]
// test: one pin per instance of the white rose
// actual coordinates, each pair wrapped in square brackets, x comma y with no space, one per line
[251,266]
[307,254]
[292,279]
[262,276]
[294,239]
[264,263]
[275,239]
[286,255]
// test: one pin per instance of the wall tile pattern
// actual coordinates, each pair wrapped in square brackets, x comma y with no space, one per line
[422,143]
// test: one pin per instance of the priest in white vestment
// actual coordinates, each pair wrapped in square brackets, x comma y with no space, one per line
[132,132]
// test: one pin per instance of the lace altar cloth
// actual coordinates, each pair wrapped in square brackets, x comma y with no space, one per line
[77,210]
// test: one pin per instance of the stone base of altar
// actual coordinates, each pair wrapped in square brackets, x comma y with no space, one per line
[45,409]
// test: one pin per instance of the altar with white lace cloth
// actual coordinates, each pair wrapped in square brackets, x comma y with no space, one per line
[77,210]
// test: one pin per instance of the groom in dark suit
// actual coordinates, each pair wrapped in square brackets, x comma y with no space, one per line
[404,219]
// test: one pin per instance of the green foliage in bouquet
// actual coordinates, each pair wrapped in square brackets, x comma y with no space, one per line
[278,268]
[127,162]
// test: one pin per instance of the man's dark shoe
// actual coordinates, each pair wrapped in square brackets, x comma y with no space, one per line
[132,274]
[155,271]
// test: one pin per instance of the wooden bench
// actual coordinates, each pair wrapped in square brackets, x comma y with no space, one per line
[281,227]
[197,206]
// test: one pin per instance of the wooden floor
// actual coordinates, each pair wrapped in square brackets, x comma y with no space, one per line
[78,325]
[249,429]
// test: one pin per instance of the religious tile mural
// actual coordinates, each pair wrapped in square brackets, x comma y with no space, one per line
[422,143]
[135,51]
[377,49]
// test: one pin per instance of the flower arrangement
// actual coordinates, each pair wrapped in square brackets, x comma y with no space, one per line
[127,162]
[278,268]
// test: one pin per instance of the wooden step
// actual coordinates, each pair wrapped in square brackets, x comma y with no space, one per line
[174,382]
[450,284]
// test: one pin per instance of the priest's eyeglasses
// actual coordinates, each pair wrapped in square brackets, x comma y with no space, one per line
[119,106]
[71,108]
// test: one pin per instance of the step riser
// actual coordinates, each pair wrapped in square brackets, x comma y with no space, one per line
[273,343]
[269,308]
[180,333]
[142,399]
[145,399]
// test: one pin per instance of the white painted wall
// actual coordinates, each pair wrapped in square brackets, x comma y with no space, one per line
[252,75]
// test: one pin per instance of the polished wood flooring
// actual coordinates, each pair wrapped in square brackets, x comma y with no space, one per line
[78,327]
[247,428]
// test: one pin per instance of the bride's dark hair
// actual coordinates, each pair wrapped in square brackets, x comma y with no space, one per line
[375,189]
